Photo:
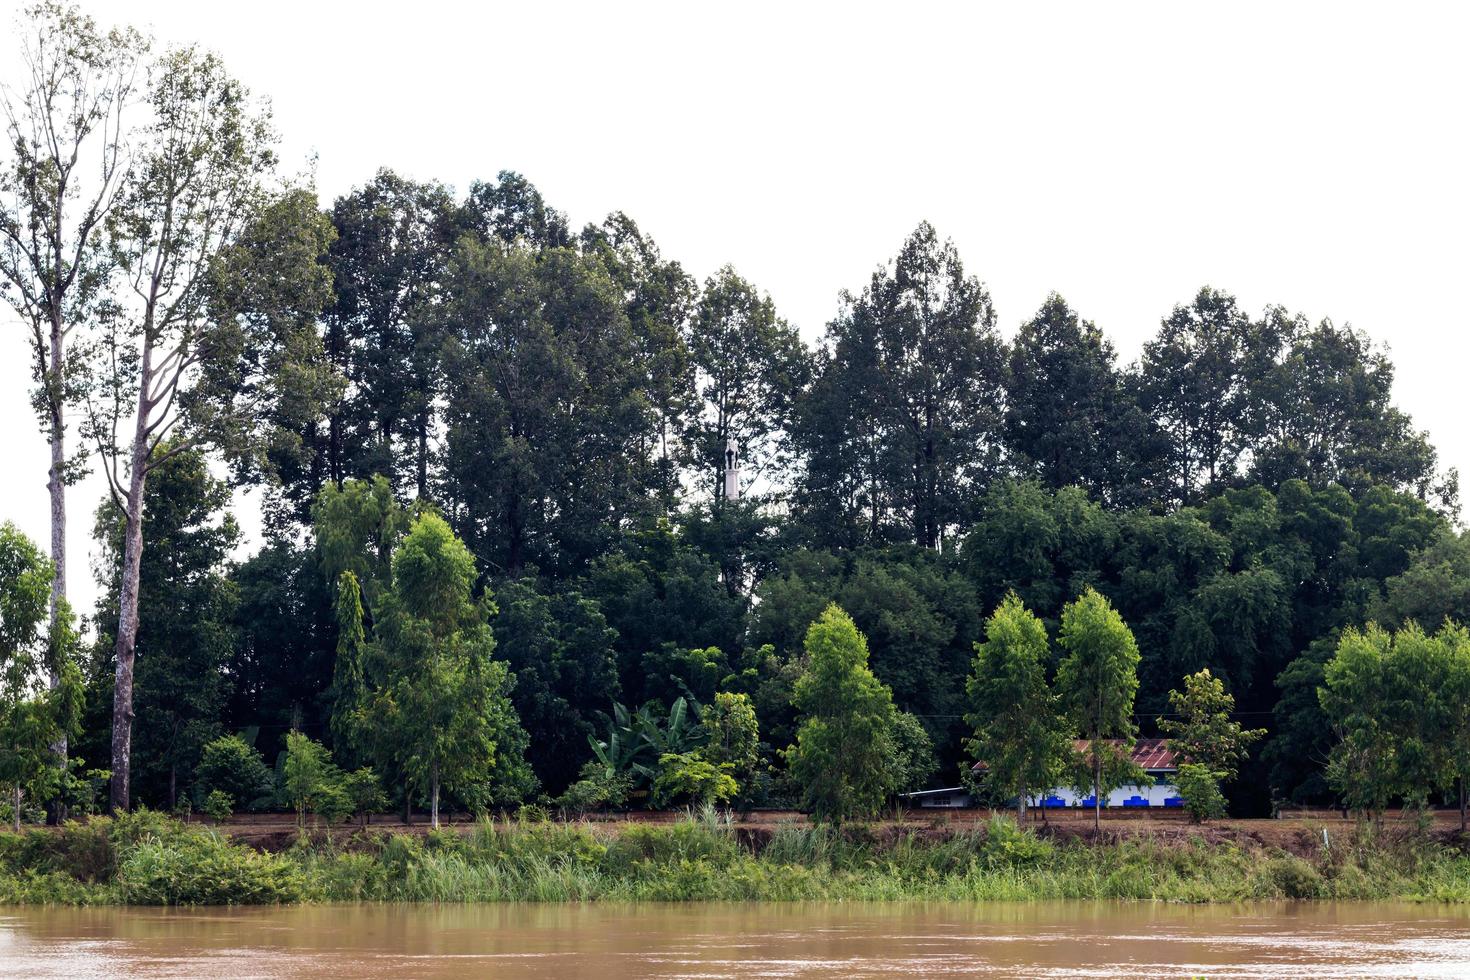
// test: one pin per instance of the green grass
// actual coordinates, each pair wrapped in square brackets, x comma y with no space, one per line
[145,858]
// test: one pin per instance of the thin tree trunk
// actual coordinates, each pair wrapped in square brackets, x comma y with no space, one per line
[1096,788]
[56,486]
[434,794]
[407,802]
[127,619]
[1462,804]
[17,808]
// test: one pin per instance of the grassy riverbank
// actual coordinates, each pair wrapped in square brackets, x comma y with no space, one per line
[148,859]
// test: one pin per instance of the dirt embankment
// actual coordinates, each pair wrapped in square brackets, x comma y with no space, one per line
[1300,833]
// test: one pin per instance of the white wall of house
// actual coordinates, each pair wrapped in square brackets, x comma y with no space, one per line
[1156,793]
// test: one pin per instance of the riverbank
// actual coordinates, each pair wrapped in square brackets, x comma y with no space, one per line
[148,859]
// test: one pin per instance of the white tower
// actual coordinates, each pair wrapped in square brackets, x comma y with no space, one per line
[732,470]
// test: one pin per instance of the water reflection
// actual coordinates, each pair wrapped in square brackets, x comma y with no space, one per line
[699,941]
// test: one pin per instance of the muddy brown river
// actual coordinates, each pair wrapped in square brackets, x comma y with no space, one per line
[717,940]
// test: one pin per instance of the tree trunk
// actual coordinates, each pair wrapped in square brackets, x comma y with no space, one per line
[434,795]
[127,618]
[17,808]
[1462,804]
[56,486]
[1096,788]
[407,802]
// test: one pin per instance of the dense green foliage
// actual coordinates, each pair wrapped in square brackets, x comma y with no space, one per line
[498,555]
[143,860]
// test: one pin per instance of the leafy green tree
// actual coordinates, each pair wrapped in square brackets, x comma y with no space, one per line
[1097,680]
[901,426]
[750,366]
[437,700]
[388,261]
[1202,730]
[692,777]
[1393,700]
[1324,415]
[34,717]
[844,756]
[546,423]
[309,777]
[1194,384]
[1199,788]
[232,766]
[1069,416]
[1020,735]
[364,791]
[561,650]
[733,736]
[217,344]
[659,301]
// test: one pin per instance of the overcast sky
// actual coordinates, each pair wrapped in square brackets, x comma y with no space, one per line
[1311,155]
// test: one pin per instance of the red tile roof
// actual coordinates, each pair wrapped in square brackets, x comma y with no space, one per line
[1151,754]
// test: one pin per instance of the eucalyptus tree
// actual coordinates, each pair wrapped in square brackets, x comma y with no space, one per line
[67,140]
[1070,419]
[1020,734]
[751,365]
[659,297]
[215,331]
[435,699]
[1194,383]
[388,260]
[902,428]
[1097,679]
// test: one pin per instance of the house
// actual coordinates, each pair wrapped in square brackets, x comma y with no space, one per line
[952,798]
[1152,755]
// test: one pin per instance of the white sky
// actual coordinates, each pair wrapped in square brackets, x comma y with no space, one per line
[1312,155]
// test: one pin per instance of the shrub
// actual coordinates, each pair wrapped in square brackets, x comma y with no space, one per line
[200,868]
[689,776]
[1293,877]
[1199,787]
[231,766]
[596,790]
[1009,845]
[219,805]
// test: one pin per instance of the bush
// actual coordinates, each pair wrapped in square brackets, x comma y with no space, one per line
[231,766]
[1009,845]
[596,790]
[219,805]
[1200,789]
[201,868]
[1294,878]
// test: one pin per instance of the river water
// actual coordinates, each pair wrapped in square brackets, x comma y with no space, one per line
[611,942]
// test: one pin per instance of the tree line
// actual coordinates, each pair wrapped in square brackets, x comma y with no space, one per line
[542,414]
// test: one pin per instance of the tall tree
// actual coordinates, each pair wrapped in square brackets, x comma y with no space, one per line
[393,240]
[1069,419]
[1020,734]
[659,297]
[546,420]
[750,364]
[219,332]
[1097,680]
[438,699]
[1194,383]
[66,133]
[845,756]
[902,428]
[1324,415]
